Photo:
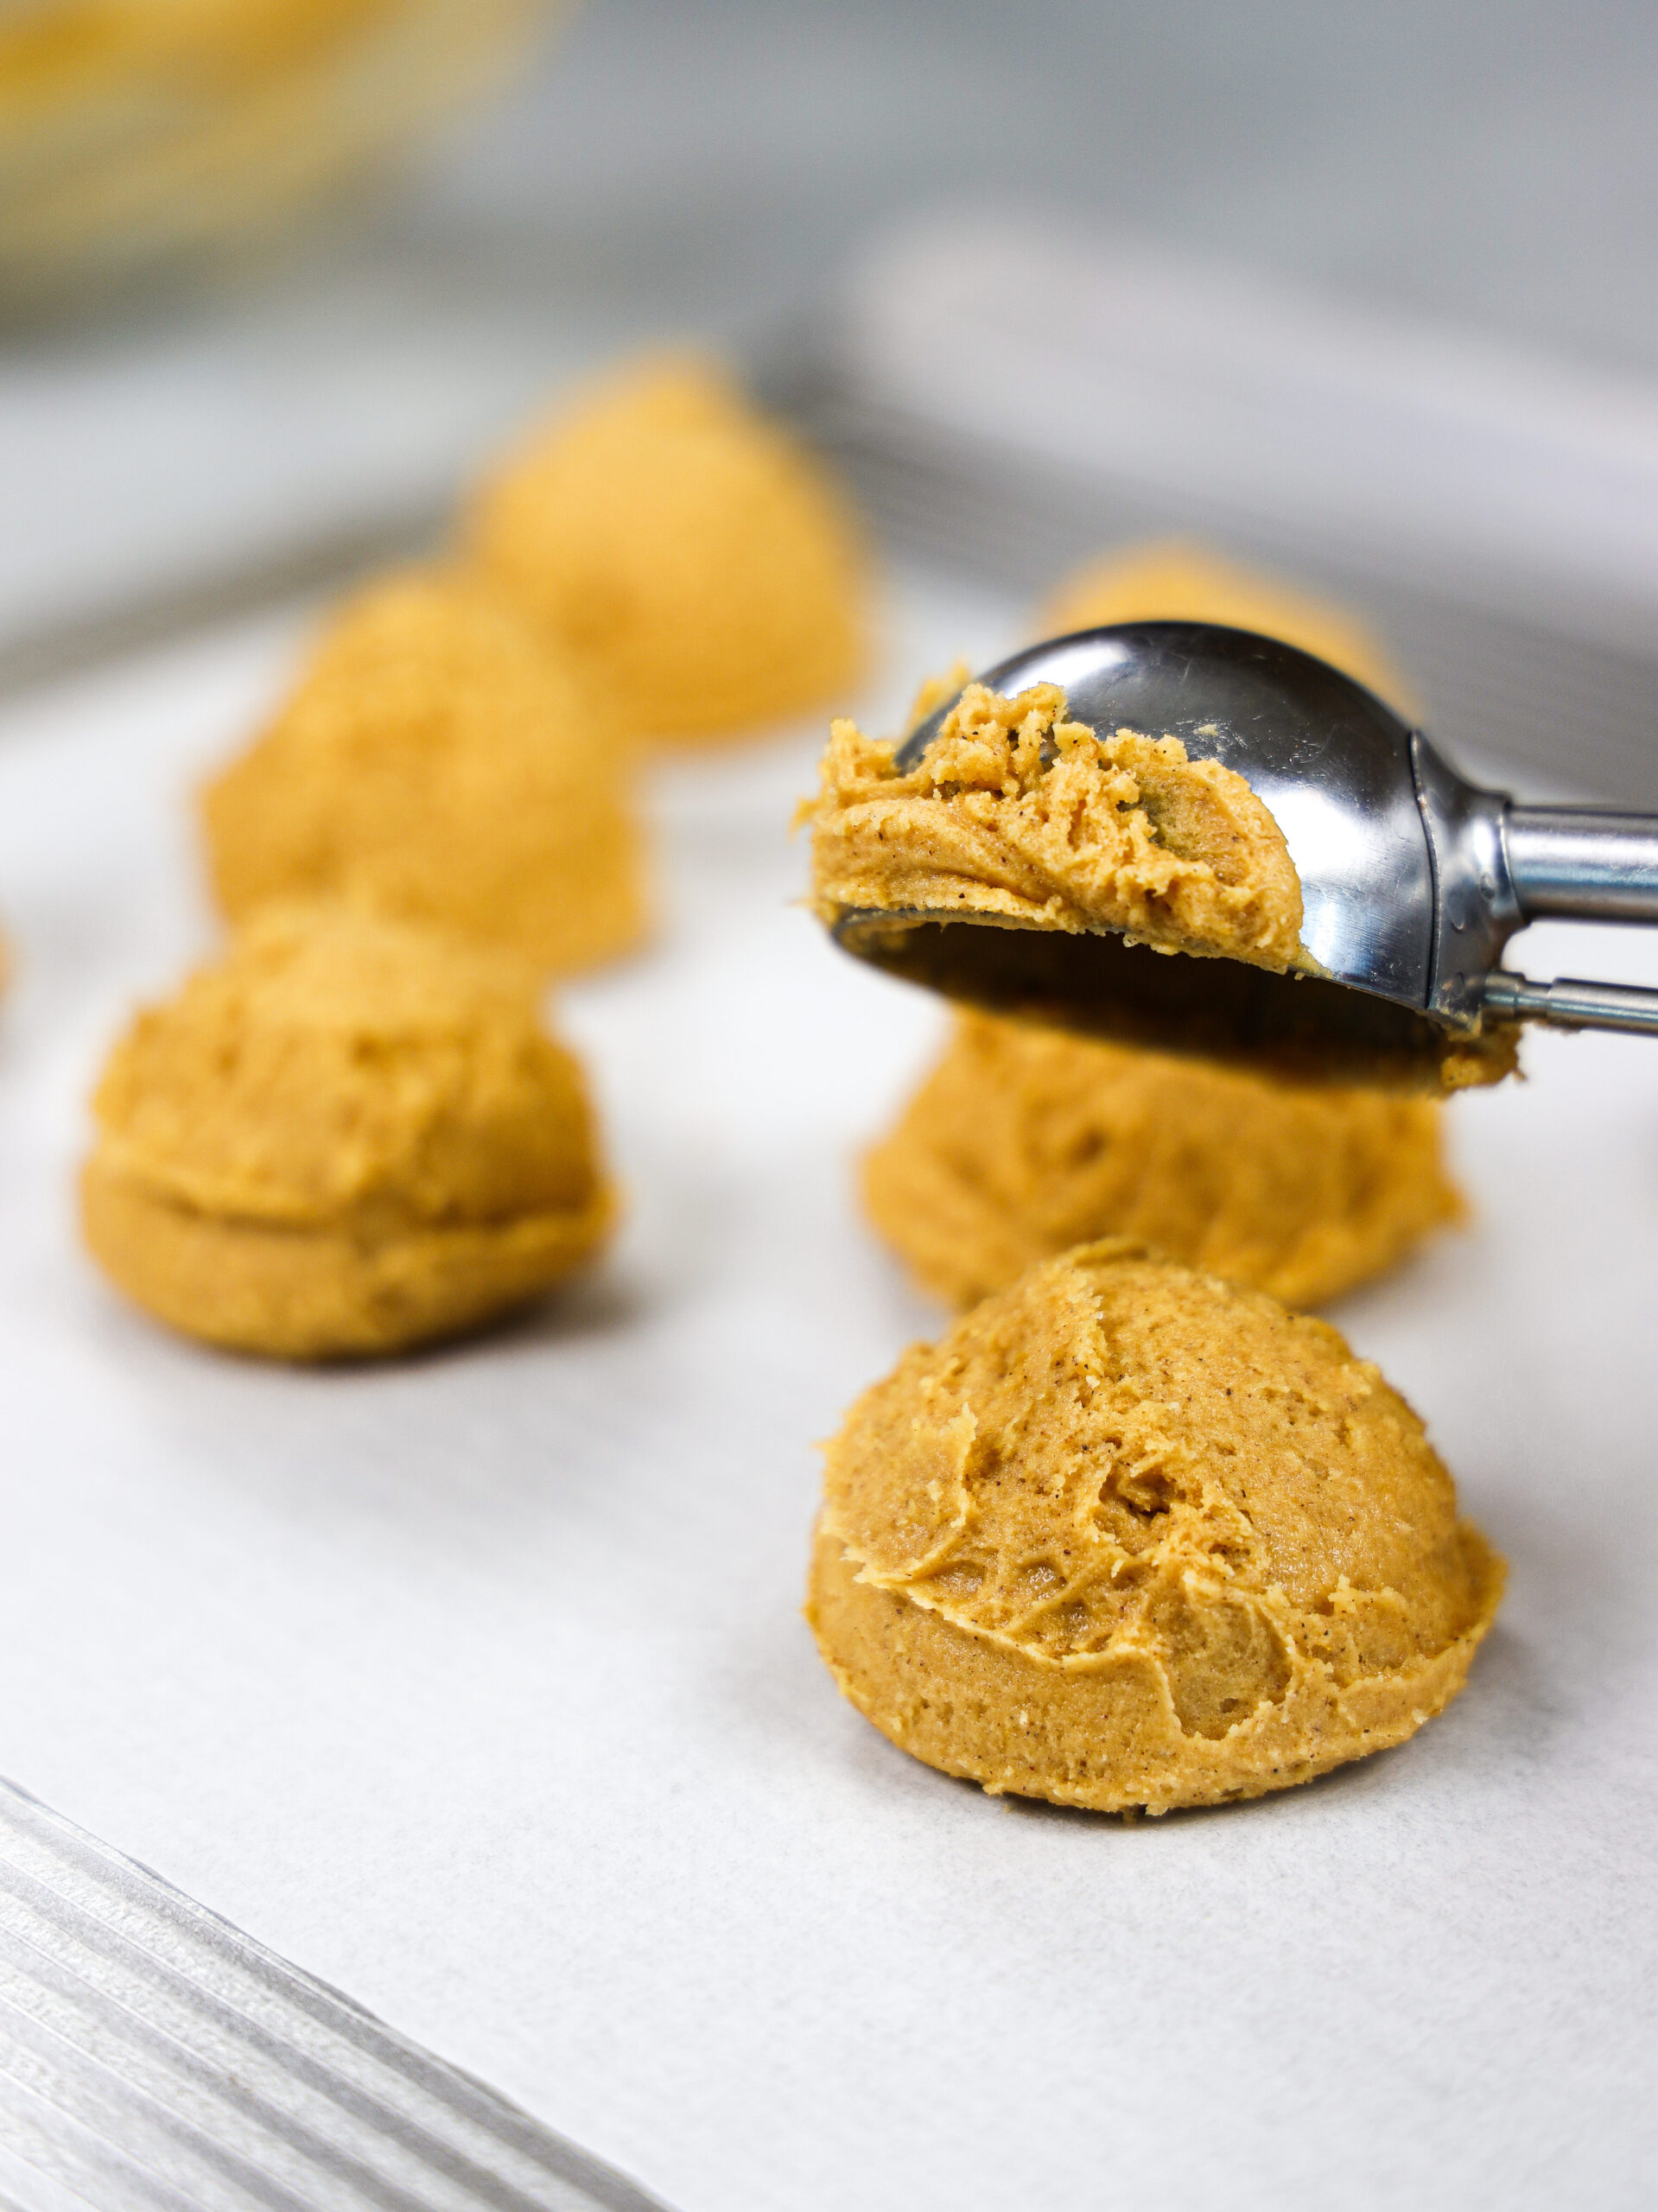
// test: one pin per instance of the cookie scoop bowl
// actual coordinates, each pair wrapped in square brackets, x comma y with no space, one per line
[1412,879]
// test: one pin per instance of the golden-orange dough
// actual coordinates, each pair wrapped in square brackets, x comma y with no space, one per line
[346,1136]
[1169,580]
[438,762]
[687,549]
[1129,1535]
[1023,1141]
[1017,814]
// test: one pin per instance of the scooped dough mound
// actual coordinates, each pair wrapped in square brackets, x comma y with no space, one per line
[1169,580]
[1016,815]
[1082,859]
[1023,1141]
[689,549]
[438,762]
[1128,1535]
[346,1136]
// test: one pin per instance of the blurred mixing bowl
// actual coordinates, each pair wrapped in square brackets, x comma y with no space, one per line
[139,133]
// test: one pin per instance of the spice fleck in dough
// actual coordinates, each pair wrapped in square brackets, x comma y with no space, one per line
[348,1136]
[1169,580]
[1129,1535]
[1023,1141]
[689,550]
[1019,815]
[437,761]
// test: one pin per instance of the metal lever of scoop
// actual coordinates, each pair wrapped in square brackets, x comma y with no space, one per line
[1569,1003]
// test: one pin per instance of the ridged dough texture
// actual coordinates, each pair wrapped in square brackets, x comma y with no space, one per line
[439,762]
[1023,1141]
[1017,814]
[1128,1535]
[690,552]
[346,1136]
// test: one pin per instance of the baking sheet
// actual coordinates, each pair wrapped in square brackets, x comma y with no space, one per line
[477,1685]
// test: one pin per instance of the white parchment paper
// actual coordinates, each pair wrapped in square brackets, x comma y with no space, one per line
[477,1683]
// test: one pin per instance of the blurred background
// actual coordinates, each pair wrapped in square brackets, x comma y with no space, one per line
[665,161]
[713,160]
[276,273]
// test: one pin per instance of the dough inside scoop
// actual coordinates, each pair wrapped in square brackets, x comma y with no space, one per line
[1019,815]
[1033,867]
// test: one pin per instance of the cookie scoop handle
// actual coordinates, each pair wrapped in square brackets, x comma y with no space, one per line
[1582,863]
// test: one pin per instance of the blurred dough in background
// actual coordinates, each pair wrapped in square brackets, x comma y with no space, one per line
[134,132]
[1023,1141]
[346,1136]
[1170,580]
[690,551]
[1128,1535]
[439,760]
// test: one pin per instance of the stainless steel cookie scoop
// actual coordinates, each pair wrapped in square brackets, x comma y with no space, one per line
[1413,880]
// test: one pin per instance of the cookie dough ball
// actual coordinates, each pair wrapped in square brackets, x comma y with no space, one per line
[690,551]
[348,1136]
[1024,1140]
[1171,581]
[1128,1535]
[439,762]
